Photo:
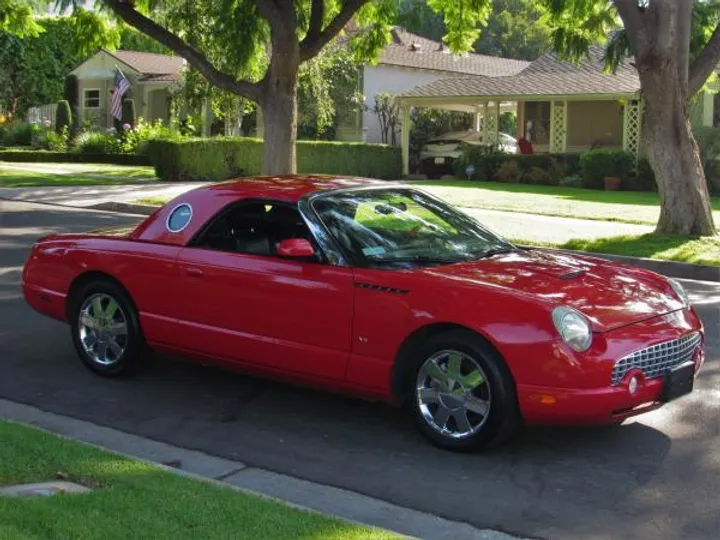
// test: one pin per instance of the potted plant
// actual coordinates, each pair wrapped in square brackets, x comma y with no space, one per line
[612,183]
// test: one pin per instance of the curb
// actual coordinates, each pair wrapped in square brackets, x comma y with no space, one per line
[125,208]
[296,493]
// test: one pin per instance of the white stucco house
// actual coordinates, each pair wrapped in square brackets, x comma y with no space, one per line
[410,61]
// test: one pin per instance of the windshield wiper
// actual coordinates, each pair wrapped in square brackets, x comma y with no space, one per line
[498,251]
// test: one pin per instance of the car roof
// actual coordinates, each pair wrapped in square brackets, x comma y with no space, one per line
[207,200]
[289,187]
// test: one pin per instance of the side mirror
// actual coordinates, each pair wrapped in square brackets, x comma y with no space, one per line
[296,248]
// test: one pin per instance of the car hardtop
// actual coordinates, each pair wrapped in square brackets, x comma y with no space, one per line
[201,204]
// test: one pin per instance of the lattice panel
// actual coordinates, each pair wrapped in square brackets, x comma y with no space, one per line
[632,126]
[558,126]
[491,123]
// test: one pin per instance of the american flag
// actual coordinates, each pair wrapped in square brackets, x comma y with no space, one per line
[122,85]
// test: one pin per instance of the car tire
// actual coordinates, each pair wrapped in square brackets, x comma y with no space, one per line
[484,393]
[105,329]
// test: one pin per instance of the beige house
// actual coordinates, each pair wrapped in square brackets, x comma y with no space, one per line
[152,76]
[560,106]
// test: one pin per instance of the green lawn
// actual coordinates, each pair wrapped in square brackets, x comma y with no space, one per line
[71,174]
[622,206]
[133,500]
[704,250]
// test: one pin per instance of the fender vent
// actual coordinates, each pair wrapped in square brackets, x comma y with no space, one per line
[380,288]
[573,274]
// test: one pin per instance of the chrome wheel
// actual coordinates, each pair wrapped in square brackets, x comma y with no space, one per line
[453,394]
[103,329]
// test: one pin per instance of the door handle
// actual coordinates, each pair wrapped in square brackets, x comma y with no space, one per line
[194,272]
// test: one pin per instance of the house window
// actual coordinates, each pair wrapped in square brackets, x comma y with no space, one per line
[92,98]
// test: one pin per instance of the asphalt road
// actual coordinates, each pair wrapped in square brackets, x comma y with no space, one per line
[655,477]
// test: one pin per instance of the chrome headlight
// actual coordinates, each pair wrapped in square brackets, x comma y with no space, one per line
[574,327]
[680,291]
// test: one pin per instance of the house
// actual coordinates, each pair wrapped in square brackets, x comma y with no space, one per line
[152,78]
[410,61]
[560,106]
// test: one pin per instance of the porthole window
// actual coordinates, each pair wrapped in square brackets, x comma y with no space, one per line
[179,218]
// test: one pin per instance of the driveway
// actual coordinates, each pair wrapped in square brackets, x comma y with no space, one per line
[655,477]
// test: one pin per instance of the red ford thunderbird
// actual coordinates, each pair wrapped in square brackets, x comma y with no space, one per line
[379,290]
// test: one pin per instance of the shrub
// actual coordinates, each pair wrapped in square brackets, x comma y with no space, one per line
[18,134]
[135,140]
[127,114]
[223,158]
[485,158]
[63,117]
[539,176]
[51,140]
[93,142]
[572,181]
[509,172]
[597,164]
[489,162]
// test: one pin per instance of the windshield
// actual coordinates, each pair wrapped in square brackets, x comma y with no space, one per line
[404,226]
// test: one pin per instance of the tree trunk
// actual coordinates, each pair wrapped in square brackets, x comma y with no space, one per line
[279,104]
[674,156]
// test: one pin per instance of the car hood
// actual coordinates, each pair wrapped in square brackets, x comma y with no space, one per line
[609,294]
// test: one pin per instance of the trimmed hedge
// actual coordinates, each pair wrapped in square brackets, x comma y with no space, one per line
[42,156]
[231,157]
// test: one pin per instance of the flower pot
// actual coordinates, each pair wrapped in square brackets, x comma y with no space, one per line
[612,183]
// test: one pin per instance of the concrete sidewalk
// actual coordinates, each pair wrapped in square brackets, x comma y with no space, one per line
[529,227]
[336,502]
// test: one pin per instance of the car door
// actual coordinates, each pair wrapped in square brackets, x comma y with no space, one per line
[243,303]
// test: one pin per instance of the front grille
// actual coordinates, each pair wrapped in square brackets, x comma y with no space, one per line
[656,360]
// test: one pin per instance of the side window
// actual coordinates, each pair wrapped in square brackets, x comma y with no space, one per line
[255,228]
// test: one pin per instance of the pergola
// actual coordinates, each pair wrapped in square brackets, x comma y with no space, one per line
[581,104]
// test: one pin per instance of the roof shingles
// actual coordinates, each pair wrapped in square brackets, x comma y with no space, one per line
[151,66]
[546,76]
[411,50]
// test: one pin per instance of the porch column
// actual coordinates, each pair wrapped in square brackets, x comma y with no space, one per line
[485,114]
[520,115]
[405,138]
[632,126]
[492,123]
[478,119]
[558,126]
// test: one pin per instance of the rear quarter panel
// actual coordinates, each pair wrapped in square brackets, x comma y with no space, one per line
[146,270]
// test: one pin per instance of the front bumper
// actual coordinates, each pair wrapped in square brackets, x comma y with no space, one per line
[609,403]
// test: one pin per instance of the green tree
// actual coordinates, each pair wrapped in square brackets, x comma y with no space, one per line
[35,66]
[675,46]
[516,29]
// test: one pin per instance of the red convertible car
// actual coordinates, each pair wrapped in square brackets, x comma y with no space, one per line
[376,289]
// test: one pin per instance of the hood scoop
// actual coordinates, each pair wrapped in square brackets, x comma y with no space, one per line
[573,274]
